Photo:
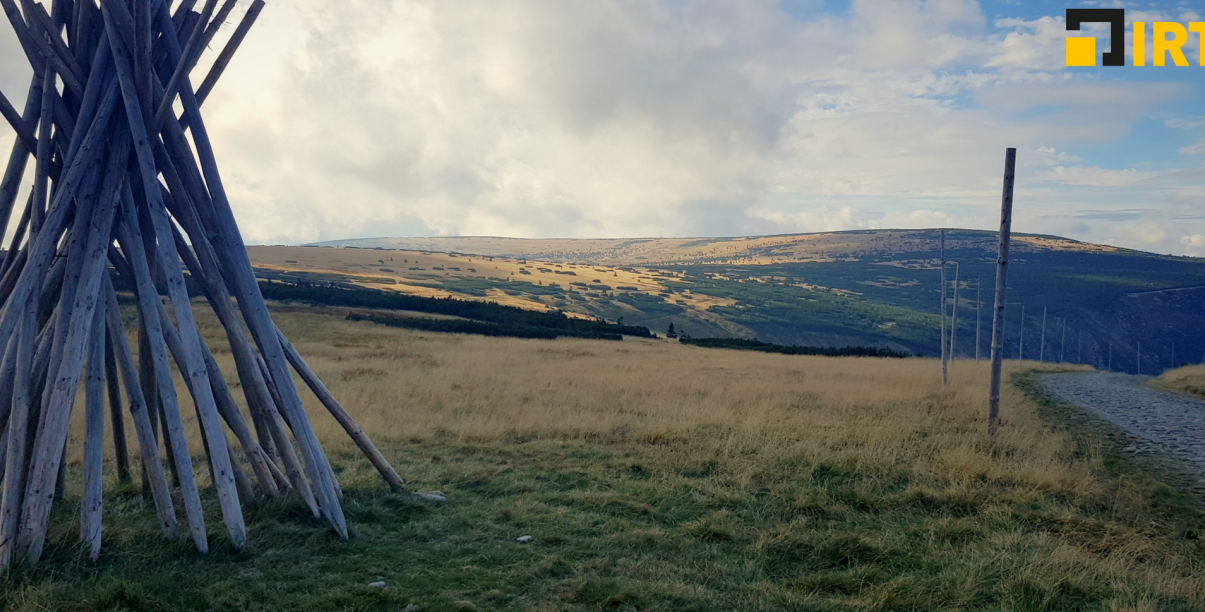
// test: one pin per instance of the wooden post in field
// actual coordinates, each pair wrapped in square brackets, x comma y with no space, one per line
[1006,221]
[1063,342]
[1021,345]
[954,318]
[945,374]
[978,315]
[1042,348]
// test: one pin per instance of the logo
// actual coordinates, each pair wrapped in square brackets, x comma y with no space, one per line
[1167,39]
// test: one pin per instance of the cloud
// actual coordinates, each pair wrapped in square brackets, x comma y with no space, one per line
[659,117]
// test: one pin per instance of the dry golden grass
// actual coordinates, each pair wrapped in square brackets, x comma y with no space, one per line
[1187,379]
[732,479]
[877,414]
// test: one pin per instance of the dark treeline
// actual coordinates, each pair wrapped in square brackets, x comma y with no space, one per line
[510,318]
[461,326]
[765,347]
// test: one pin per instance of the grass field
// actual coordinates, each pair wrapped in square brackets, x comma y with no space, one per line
[1187,379]
[656,476]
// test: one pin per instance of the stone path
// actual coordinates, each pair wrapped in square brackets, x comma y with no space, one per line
[1172,421]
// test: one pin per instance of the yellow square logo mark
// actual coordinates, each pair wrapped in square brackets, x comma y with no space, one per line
[1081,51]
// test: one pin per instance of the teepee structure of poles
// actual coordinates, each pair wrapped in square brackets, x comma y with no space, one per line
[126,188]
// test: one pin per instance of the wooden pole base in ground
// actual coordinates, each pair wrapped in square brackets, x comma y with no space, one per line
[125,188]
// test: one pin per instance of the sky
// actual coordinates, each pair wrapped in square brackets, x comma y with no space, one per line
[642,118]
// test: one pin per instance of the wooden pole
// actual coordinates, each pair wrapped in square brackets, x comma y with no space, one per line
[1006,219]
[94,436]
[148,445]
[18,425]
[1042,348]
[978,314]
[120,450]
[336,409]
[954,318]
[1021,343]
[945,374]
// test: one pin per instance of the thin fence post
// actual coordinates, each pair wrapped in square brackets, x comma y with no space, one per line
[1006,219]
[945,375]
[1042,349]
[954,318]
[978,315]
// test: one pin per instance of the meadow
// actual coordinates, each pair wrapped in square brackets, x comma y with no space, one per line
[659,476]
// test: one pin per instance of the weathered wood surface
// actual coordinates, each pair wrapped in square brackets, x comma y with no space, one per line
[113,165]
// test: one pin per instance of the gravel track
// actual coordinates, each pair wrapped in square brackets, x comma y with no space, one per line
[1170,420]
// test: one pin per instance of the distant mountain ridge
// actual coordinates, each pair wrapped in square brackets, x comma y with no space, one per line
[1102,305]
[741,249]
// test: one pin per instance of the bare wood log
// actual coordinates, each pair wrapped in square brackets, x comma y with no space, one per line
[183,66]
[236,39]
[19,156]
[45,35]
[945,374]
[224,479]
[52,436]
[120,451]
[954,317]
[42,250]
[24,131]
[212,29]
[254,387]
[978,315]
[148,446]
[1042,342]
[18,425]
[188,164]
[262,328]
[194,365]
[259,460]
[176,346]
[8,381]
[41,189]
[1006,221]
[91,504]
[173,427]
[345,420]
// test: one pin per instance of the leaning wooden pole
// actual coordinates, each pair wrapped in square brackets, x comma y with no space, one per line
[123,186]
[1006,222]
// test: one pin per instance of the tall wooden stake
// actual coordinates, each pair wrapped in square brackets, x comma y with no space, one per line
[978,314]
[1063,342]
[1021,344]
[945,375]
[1006,221]
[1042,349]
[954,318]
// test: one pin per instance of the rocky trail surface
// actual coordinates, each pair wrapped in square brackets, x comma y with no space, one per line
[1164,420]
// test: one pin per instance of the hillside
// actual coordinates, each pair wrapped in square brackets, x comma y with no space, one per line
[875,288]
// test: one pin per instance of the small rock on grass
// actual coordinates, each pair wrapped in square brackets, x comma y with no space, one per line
[524,539]
[380,584]
[410,608]
[432,495]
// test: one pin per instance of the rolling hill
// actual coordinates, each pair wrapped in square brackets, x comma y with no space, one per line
[1103,305]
